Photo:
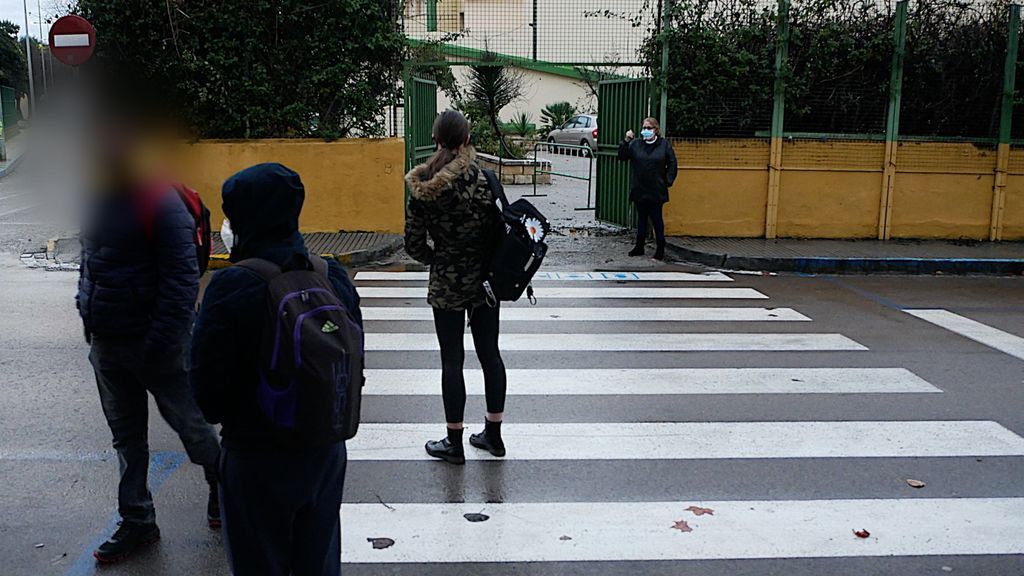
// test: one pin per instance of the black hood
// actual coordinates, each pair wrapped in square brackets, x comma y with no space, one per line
[263,203]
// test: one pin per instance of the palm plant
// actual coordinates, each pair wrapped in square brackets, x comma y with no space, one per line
[522,125]
[491,87]
[554,115]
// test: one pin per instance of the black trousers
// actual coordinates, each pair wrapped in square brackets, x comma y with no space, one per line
[281,508]
[648,212]
[451,329]
[124,381]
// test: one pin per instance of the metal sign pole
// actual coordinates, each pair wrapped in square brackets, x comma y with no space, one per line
[28,56]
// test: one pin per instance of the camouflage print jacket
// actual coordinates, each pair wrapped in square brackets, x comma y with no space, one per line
[457,210]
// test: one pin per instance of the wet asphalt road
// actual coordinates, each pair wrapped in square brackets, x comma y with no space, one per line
[58,473]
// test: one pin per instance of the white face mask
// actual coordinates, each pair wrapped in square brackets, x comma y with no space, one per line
[227,235]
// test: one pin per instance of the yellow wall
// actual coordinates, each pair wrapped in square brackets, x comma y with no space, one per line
[351,185]
[943,190]
[832,189]
[721,188]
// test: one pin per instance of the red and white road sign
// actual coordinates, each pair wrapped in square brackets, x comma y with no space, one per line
[72,40]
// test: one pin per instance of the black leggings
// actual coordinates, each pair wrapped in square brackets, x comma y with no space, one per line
[652,212]
[451,328]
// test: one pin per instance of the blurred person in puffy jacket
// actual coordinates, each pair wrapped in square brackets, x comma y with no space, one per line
[136,297]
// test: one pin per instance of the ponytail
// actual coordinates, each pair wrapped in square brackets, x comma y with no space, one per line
[450,133]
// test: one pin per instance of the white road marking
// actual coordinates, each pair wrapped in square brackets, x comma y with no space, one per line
[570,276]
[982,333]
[17,210]
[706,440]
[688,342]
[420,292]
[745,529]
[670,381]
[693,314]
[9,196]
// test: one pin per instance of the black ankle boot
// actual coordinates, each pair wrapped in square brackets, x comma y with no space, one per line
[127,539]
[489,439]
[637,250]
[449,448]
[659,254]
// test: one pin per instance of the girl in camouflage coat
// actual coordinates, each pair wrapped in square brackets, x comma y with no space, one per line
[451,204]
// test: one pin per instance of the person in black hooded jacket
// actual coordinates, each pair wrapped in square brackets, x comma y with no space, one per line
[280,506]
[654,171]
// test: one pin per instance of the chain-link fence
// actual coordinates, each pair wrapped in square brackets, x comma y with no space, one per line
[831,64]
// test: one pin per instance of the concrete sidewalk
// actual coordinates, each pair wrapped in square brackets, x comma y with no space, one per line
[349,248]
[15,151]
[853,256]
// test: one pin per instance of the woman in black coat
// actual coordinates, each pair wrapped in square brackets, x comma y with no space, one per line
[654,171]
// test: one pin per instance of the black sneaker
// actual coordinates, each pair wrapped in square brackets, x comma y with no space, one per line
[489,439]
[127,539]
[445,450]
[213,509]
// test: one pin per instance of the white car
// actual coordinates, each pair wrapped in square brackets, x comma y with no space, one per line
[580,130]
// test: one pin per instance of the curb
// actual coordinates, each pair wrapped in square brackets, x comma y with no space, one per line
[11,165]
[355,258]
[814,265]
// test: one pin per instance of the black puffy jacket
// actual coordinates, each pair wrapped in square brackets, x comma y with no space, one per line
[139,279]
[263,204]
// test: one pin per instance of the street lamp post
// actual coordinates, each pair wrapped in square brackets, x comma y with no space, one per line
[42,57]
[28,56]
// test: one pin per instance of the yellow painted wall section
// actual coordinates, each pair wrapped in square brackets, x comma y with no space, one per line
[721,189]
[830,189]
[819,204]
[943,190]
[351,185]
[1013,209]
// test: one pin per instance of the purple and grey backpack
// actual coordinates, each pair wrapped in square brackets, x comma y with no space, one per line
[311,370]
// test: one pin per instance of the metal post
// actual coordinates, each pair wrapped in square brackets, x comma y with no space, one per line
[1005,125]
[534,24]
[28,56]
[663,110]
[42,57]
[892,122]
[778,112]
[431,15]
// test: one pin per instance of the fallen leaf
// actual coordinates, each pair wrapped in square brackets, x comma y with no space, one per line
[698,511]
[565,538]
[682,526]
[915,483]
[476,517]
[381,543]
[861,533]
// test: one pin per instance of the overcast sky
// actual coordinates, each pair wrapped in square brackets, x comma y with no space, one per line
[13,10]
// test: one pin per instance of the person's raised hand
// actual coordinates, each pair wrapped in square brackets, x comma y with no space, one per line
[630,135]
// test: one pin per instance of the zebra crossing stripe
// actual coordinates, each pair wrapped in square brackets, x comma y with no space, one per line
[637,531]
[420,292]
[982,333]
[707,440]
[569,276]
[691,314]
[669,381]
[688,342]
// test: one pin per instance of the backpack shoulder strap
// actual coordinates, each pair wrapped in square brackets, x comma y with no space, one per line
[264,268]
[319,265]
[495,185]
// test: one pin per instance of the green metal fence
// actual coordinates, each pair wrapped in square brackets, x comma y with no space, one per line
[420,111]
[9,101]
[623,104]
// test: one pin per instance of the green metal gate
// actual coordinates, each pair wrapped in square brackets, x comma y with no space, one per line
[420,112]
[622,106]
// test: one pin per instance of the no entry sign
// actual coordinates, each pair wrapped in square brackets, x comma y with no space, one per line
[72,40]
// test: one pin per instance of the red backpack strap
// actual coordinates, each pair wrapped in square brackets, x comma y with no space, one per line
[149,203]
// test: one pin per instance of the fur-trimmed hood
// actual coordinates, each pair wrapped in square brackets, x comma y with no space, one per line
[463,167]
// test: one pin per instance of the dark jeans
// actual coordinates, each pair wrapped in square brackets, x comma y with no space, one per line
[451,328]
[123,380]
[649,212]
[281,510]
